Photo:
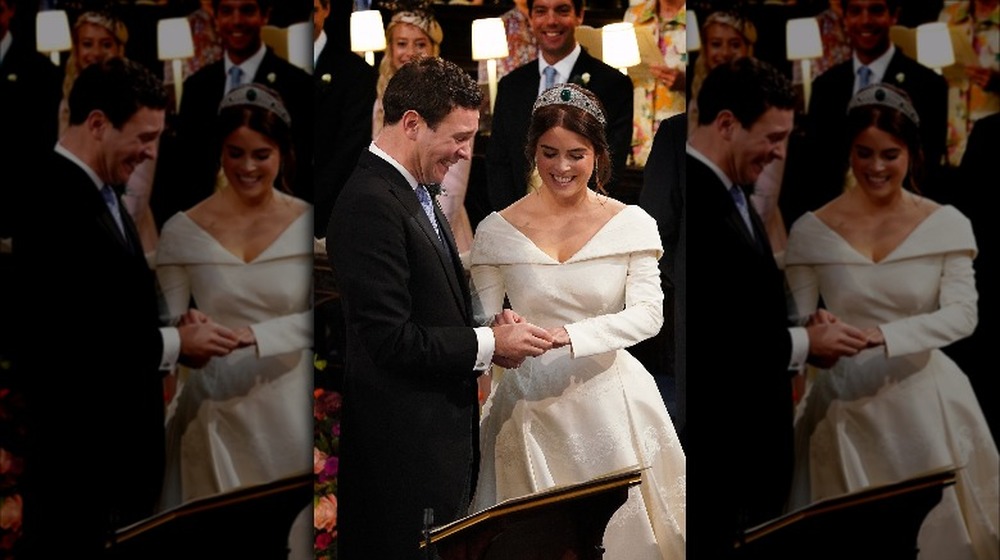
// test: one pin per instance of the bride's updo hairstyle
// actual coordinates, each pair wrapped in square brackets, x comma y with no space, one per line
[260,109]
[578,110]
[890,110]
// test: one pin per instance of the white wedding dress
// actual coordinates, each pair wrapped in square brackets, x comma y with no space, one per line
[891,413]
[572,415]
[246,418]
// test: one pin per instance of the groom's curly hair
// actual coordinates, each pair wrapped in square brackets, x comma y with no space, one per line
[431,86]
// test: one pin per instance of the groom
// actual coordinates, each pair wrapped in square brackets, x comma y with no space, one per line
[740,411]
[410,420]
[94,352]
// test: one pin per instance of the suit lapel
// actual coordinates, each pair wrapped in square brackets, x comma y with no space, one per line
[450,252]
[404,193]
[704,178]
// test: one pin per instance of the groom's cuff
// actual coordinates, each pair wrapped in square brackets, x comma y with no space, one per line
[171,348]
[487,344]
[800,348]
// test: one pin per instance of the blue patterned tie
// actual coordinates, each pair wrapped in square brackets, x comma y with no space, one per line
[739,197]
[425,200]
[550,76]
[864,76]
[111,200]
[235,78]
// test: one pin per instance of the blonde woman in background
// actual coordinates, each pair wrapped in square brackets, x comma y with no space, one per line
[413,32]
[96,37]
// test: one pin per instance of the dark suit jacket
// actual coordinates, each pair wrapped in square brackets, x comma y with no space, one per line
[92,352]
[342,123]
[663,195]
[507,167]
[189,161]
[739,419]
[411,416]
[30,87]
[816,176]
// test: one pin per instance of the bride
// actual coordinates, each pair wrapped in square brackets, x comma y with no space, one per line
[887,260]
[583,266]
[244,256]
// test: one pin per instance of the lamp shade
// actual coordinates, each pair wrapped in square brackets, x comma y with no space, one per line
[489,39]
[619,45]
[300,45]
[802,39]
[693,32]
[367,31]
[52,31]
[173,39]
[934,47]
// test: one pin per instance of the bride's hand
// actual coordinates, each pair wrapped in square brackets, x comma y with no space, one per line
[245,337]
[875,337]
[560,337]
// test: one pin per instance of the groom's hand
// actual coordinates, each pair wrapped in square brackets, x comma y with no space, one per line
[193,316]
[520,340]
[828,342]
[202,341]
[507,317]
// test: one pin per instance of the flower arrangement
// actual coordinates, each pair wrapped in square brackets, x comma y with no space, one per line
[12,440]
[326,447]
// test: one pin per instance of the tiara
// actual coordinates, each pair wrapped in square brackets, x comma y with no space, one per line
[878,94]
[257,95]
[569,94]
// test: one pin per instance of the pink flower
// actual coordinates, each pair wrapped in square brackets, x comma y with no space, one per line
[325,514]
[330,468]
[10,512]
[319,461]
[323,541]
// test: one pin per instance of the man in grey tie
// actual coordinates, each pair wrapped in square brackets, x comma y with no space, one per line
[817,165]
[560,59]
[189,165]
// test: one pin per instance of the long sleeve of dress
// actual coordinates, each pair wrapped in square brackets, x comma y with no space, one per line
[803,287]
[288,333]
[956,317]
[487,292]
[641,318]
[175,287]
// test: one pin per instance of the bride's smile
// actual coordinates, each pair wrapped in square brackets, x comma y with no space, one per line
[565,161]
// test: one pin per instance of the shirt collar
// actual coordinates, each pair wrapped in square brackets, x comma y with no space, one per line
[693,152]
[318,45]
[61,150]
[249,66]
[563,67]
[877,66]
[392,161]
[5,46]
